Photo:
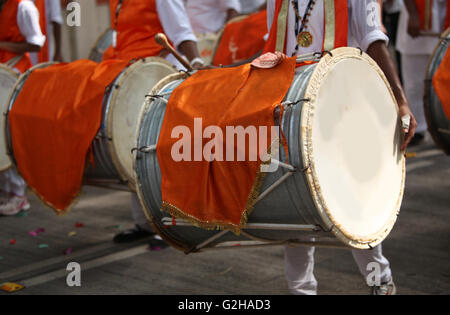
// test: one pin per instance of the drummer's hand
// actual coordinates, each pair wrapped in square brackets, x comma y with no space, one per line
[414,26]
[405,110]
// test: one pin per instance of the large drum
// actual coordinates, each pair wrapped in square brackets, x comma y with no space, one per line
[122,104]
[438,123]
[101,45]
[8,78]
[345,181]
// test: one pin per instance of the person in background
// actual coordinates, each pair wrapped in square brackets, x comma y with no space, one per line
[20,34]
[421,22]
[210,16]
[50,21]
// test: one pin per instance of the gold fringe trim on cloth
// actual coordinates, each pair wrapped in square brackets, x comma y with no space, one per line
[236,229]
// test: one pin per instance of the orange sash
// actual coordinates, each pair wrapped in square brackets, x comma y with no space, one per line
[425,10]
[441,83]
[221,193]
[53,122]
[242,40]
[335,22]
[10,32]
[43,55]
[136,27]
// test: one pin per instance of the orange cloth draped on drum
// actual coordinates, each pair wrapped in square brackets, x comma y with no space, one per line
[441,83]
[136,27]
[53,122]
[43,55]
[218,194]
[10,32]
[242,40]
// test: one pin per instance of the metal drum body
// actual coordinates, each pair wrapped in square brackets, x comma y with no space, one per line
[101,45]
[438,124]
[122,104]
[8,78]
[327,200]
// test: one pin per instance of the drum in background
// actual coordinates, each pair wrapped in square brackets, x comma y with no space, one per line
[8,78]
[101,45]
[122,104]
[207,44]
[345,182]
[438,123]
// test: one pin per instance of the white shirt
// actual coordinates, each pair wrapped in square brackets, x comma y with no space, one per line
[178,31]
[175,21]
[28,22]
[53,15]
[422,45]
[363,24]
[209,16]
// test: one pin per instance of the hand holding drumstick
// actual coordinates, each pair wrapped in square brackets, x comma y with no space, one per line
[187,48]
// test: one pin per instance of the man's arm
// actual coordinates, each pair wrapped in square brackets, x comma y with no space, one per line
[57,36]
[177,27]
[414,18]
[379,52]
[190,50]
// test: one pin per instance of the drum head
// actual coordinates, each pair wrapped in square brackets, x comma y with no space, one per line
[8,78]
[126,102]
[351,142]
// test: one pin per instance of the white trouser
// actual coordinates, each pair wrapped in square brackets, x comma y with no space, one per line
[138,215]
[12,183]
[299,263]
[414,68]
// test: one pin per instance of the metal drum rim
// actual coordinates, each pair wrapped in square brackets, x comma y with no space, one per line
[94,49]
[340,232]
[109,118]
[428,89]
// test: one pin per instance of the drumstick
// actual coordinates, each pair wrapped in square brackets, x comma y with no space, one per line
[161,40]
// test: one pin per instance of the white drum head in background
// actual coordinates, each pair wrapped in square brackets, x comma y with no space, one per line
[8,78]
[207,45]
[126,101]
[351,142]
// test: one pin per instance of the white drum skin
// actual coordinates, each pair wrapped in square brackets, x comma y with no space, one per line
[125,103]
[352,145]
